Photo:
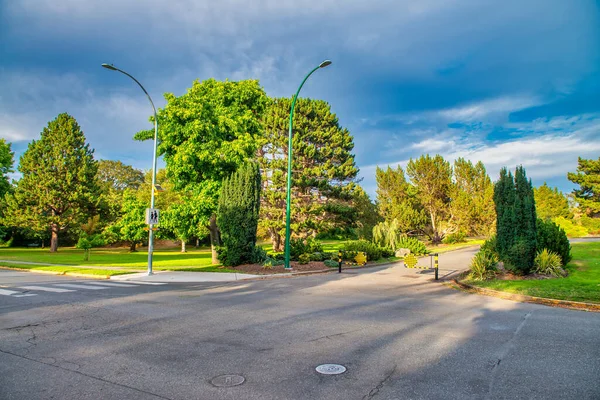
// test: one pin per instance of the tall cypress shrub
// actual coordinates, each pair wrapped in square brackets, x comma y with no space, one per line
[516,231]
[237,215]
[504,199]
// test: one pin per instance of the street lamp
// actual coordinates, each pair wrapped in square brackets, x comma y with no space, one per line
[151,232]
[289,172]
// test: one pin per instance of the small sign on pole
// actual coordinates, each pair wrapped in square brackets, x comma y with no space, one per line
[152,215]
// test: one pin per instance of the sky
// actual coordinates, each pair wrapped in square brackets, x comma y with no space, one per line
[503,82]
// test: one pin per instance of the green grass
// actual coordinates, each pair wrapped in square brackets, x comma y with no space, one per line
[164,260]
[582,284]
[60,269]
[442,248]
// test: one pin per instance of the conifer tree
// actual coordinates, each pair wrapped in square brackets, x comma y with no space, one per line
[58,189]
[588,179]
[504,199]
[237,215]
[323,169]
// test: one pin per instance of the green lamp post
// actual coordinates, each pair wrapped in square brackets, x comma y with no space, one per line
[289,171]
[151,231]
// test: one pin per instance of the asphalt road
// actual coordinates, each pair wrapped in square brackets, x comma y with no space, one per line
[399,334]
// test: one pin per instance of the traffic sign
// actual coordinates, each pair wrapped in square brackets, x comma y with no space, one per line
[152,215]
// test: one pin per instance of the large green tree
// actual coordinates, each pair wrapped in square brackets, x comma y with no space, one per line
[323,170]
[114,178]
[588,179]
[205,134]
[367,215]
[551,203]
[58,189]
[6,166]
[432,176]
[397,200]
[131,226]
[237,215]
[472,206]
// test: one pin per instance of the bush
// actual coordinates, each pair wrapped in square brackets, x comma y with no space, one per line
[548,263]
[415,246]
[592,225]
[519,257]
[272,262]
[317,257]
[570,228]
[483,265]
[387,234]
[458,237]
[304,246]
[374,252]
[304,258]
[237,216]
[552,237]
[331,264]
[259,255]
[490,245]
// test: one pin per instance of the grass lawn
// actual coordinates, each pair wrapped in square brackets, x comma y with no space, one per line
[582,284]
[442,248]
[163,260]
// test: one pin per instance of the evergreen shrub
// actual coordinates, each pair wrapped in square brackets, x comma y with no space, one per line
[552,237]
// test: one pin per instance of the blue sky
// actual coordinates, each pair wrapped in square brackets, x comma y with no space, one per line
[505,82]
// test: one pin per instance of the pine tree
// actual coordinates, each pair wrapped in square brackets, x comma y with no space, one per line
[588,179]
[323,170]
[238,211]
[551,203]
[58,189]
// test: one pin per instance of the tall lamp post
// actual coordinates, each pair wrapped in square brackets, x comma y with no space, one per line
[151,232]
[289,171]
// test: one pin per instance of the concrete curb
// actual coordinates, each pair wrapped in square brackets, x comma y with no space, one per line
[573,305]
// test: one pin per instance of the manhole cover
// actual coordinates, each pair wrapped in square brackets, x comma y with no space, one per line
[227,380]
[331,369]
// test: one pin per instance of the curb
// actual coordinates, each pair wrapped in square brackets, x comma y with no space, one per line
[572,305]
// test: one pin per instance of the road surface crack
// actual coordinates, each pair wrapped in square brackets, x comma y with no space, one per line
[375,391]
[86,375]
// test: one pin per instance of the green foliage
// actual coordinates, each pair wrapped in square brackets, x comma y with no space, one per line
[331,263]
[490,245]
[571,229]
[6,166]
[551,203]
[516,220]
[367,215]
[323,171]
[388,234]
[304,258]
[432,177]
[397,200]
[259,255]
[130,227]
[588,179]
[373,252]
[87,242]
[272,262]
[472,205]
[58,189]
[318,256]
[205,135]
[415,246]
[458,237]
[548,263]
[238,211]
[483,265]
[553,238]
[304,246]
[592,225]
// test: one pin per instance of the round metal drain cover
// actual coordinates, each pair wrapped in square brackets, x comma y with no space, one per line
[331,369]
[227,380]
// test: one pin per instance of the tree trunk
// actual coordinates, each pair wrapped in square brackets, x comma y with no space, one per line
[197,242]
[183,246]
[54,240]
[275,239]
[132,246]
[214,238]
